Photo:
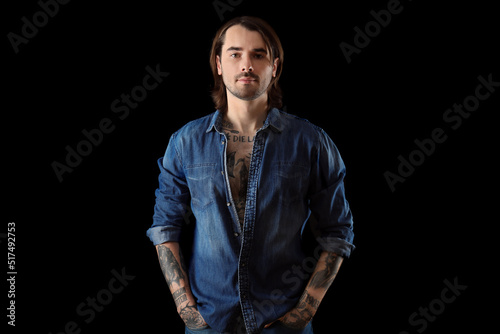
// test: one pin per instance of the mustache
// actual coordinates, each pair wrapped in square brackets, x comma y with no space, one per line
[247,74]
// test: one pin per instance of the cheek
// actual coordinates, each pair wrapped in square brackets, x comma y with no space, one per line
[267,69]
[266,73]
[229,69]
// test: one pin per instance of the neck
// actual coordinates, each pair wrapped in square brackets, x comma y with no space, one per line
[246,116]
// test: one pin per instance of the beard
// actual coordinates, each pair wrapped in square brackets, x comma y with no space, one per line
[246,92]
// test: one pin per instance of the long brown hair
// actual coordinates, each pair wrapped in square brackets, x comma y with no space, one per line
[272,43]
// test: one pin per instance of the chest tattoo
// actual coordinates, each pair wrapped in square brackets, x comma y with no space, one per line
[238,156]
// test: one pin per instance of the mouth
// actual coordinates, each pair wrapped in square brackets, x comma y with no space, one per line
[246,80]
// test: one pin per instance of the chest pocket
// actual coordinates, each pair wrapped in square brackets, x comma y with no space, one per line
[291,182]
[200,178]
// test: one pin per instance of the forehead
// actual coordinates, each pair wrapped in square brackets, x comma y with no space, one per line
[239,36]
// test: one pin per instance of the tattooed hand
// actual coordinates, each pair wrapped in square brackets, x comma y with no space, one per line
[299,317]
[191,317]
[302,313]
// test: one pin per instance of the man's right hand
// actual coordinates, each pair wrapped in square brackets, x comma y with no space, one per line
[191,316]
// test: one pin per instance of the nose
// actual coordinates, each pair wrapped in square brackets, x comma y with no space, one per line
[247,65]
[247,69]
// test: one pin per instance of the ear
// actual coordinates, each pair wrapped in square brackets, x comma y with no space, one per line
[219,67]
[275,66]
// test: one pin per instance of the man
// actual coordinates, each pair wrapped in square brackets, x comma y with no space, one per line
[252,175]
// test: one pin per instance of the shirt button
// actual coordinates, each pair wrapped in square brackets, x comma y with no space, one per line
[236,234]
[228,204]
[222,172]
[222,142]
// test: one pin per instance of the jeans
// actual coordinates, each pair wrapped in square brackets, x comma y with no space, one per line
[276,328]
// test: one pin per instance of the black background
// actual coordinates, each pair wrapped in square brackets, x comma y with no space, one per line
[439,224]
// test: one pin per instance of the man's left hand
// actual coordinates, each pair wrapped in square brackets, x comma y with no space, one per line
[299,316]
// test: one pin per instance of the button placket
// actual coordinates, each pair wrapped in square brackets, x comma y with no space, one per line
[248,230]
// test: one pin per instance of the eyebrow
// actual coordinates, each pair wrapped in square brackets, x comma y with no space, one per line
[235,48]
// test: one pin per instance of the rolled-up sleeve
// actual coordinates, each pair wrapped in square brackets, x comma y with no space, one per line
[172,198]
[328,203]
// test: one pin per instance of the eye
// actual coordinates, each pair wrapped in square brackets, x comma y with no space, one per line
[234,55]
[259,56]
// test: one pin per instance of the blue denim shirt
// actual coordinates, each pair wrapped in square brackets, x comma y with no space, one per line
[295,170]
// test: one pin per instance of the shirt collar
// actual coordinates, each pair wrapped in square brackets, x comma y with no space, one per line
[273,120]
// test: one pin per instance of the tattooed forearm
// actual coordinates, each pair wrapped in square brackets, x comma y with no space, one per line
[175,273]
[308,300]
[178,293]
[179,296]
[170,267]
[325,276]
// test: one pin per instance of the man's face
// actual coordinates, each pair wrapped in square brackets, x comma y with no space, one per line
[245,63]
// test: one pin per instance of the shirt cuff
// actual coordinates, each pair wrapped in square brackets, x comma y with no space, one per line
[161,234]
[336,245]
